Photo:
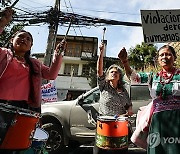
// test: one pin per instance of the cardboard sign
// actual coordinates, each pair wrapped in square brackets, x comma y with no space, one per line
[161,25]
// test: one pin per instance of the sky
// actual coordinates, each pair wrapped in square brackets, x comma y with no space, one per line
[116,36]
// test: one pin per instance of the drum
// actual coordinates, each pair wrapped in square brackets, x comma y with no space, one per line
[112,133]
[17,127]
[40,137]
[38,144]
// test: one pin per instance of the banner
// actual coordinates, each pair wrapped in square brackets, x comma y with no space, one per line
[161,25]
[49,92]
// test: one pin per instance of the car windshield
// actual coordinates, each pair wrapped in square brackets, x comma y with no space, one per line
[93,97]
[140,92]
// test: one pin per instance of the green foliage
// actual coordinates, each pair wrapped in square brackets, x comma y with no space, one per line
[92,77]
[10,29]
[142,56]
[8,32]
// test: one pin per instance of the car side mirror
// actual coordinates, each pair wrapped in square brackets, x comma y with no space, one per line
[96,97]
[80,100]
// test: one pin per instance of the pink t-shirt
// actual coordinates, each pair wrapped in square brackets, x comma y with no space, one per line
[14,84]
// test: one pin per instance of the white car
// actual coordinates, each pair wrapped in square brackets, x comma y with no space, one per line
[75,120]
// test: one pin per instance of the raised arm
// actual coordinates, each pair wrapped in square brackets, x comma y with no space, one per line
[124,59]
[100,60]
[50,73]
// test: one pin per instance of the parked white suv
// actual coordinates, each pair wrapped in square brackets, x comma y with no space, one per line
[75,120]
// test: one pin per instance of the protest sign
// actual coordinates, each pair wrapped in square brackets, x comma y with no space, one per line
[49,92]
[161,25]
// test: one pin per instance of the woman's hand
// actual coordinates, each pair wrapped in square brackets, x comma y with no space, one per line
[5,16]
[101,47]
[129,111]
[123,55]
[61,47]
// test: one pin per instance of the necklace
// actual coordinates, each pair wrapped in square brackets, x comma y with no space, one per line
[19,57]
[165,78]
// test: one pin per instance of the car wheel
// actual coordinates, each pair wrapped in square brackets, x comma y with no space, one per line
[55,142]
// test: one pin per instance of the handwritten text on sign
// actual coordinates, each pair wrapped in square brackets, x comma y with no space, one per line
[161,25]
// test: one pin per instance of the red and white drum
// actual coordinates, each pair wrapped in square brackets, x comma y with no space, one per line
[17,127]
[112,133]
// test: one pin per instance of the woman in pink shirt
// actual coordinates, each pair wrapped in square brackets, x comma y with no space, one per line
[20,74]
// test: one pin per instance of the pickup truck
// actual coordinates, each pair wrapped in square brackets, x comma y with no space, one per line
[75,120]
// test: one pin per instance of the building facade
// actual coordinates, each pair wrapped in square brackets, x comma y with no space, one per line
[72,77]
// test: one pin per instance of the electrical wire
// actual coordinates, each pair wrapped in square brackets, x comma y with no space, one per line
[71,17]
[73,12]
[101,11]
[48,16]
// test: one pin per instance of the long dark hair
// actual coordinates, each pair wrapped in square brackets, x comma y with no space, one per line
[27,55]
[28,61]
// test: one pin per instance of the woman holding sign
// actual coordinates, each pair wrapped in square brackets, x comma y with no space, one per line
[20,82]
[165,91]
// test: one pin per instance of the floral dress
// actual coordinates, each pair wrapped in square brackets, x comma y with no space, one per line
[164,131]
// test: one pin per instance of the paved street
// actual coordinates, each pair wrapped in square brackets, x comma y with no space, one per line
[88,149]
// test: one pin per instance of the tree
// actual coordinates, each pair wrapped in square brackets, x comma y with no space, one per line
[8,32]
[143,56]
[10,29]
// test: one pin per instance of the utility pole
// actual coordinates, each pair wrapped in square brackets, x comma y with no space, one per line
[53,20]
[53,27]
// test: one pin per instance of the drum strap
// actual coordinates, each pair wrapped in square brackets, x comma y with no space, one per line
[21,104]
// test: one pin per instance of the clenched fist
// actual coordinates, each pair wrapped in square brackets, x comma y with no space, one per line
[5,16]
[123,55]
[61,47]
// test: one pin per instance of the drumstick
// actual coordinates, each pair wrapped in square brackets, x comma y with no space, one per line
[64,39]
[120,115]
[68,29]
[104,29]
[123,115]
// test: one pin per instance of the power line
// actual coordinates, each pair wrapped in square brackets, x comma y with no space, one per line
[78,25]
[64,18]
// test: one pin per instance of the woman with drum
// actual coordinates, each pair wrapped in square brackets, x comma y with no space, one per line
[114,100]
[165,91]
[20,82]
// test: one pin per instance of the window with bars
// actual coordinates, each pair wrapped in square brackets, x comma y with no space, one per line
[73,50]
[85,70]
[71,69]
[87,47]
